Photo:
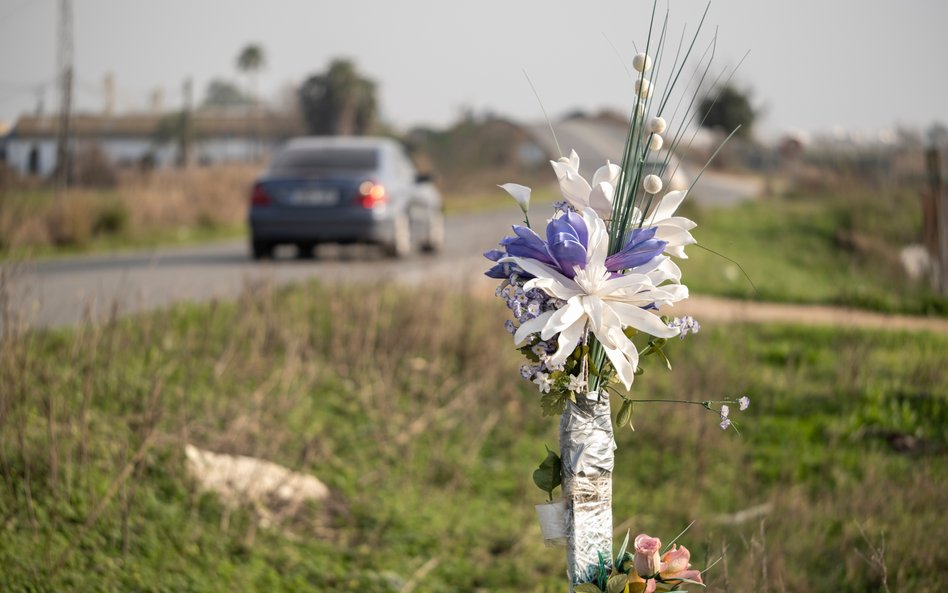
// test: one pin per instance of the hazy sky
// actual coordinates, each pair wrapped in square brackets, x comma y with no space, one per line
[814,64]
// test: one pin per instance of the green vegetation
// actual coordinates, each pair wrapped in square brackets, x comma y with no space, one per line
[836,249]
[415,417]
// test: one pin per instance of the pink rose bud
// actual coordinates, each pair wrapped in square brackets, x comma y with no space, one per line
[648,559]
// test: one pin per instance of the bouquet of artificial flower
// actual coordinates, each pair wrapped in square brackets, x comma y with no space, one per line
[587,293]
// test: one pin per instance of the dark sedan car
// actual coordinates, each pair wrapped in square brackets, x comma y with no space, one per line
[344,190]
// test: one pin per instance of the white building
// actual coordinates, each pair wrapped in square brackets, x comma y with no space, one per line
[127,140]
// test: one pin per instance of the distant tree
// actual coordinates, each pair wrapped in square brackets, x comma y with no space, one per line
[339,102]
[728,108]
[222,93]
[250,61]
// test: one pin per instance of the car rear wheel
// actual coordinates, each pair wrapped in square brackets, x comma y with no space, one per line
[305,250]
[400,245]
[261,249]
[434,233]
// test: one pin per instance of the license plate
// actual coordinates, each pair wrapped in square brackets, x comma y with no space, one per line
[316,197]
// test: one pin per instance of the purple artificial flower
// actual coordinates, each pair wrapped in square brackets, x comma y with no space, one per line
[640,247]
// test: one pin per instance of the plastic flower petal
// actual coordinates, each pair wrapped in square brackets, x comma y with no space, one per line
[579,192]
[676,564]
[521,193]
[600,301]
[674,230]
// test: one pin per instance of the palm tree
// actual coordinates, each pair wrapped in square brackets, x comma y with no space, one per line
[250,61]
[339,102]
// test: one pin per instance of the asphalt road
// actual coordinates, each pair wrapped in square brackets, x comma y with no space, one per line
[66,291]
[597,141]
[61,292]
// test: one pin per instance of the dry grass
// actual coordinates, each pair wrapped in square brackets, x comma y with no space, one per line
[142,204]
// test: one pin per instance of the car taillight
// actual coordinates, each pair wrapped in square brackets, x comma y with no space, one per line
[372,194]
[260,197]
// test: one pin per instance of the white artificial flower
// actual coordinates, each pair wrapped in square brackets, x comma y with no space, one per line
[600,303]
[579,193]
[521,193]
[652,184]
[672,229]
[657,125]
[642,62]
[576,384]
[544,382]
[655,142]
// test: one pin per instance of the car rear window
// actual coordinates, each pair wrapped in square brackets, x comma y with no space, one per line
[325,160]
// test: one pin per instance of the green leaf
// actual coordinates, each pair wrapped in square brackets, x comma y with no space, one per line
[587,588]
[547,476]
[554,403]
[661,354]
[617,583]
[624,417]
[636,587]
[623,547]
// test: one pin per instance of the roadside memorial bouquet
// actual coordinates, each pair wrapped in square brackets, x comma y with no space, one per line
[588,291]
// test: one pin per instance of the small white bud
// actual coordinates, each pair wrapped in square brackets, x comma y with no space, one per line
[652,184]
[642,62]
[657,125]
[656,142]
[643,89]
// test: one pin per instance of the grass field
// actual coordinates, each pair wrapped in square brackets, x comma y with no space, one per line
[838,249]
[409,406]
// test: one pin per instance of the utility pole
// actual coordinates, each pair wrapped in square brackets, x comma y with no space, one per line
[65,71]
[184,146]
[936,223]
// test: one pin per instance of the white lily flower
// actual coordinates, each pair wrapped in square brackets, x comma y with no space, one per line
[521,193]
[670,228]
[579,193]
[600,303]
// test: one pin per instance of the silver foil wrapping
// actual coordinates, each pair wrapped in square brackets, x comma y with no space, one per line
[587,450]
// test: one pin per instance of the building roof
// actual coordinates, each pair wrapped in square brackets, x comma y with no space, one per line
[206,124]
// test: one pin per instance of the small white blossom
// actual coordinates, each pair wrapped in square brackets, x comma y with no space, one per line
[576,384]
[744,402]
[544,382]
[642,62]
[725,423]
[657,125]
[652,184]
[725,411]
[655,142]
[539,349]
[526,371]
